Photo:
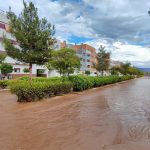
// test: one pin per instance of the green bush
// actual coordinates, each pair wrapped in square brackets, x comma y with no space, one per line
[41,87]
[3,84]
[26,70]
[34,91]
[87,72]
[41,79]
[24,78]
[81,83]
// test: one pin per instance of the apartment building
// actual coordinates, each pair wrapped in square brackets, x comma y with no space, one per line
[87,55]
[86,52]
[115,63]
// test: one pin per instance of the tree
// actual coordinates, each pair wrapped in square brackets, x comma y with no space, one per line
[134,71]
[87,72]
[115,70]
[65,61]
[124,68]
[26,70]
[2,58]
[6,68]
[103,60]
[34,36]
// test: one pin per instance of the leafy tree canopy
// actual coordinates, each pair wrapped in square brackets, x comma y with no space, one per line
[65,61]
[126,68]
[2,58]
[26,70]
[87,72]
[103,60]
[6,68]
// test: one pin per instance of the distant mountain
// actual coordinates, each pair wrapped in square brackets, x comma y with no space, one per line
[145,69]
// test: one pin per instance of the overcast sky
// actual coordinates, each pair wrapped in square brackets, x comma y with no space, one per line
[123,26]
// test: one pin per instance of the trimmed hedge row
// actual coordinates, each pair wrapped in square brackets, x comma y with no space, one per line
[42,79]
[41,88]
[81,83]
[27,92]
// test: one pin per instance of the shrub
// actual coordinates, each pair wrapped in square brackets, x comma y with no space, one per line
[41,87]
[26,70]
[3,84]
[34,91]
[24,78]
[87,72]
[81,83]
[41,79]
[6,68]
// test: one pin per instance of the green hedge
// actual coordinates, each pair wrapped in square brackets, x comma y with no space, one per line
[34,91]
[41,79]
[41,88]
[3,84]
[81,83]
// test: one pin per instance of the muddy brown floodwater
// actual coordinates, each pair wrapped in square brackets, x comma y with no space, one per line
[110,118]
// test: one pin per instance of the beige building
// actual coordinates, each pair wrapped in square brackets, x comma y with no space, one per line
[87,54]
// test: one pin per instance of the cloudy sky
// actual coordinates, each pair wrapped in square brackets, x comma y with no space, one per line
[123,26]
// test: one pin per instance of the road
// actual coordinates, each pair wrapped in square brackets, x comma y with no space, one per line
[116,117]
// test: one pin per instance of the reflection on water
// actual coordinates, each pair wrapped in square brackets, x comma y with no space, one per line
[83,121]
[133,107]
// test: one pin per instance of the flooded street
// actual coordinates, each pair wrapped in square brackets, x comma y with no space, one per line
[116,117]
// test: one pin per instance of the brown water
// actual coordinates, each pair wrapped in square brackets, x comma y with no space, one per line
[112,118]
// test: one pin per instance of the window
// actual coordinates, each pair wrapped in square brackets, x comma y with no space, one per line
[88,66]
[88,60]
[17,70]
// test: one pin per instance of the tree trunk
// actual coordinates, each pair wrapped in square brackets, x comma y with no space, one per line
[30,72]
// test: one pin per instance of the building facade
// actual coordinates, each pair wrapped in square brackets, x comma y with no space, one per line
[87,54]
[115,63]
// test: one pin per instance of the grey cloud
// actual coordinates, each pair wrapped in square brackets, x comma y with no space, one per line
[109,19]
[126,21]
[120,23]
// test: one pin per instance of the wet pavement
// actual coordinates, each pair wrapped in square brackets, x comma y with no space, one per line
[116,117]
